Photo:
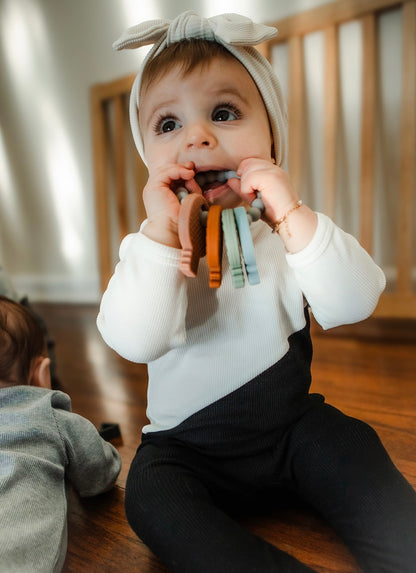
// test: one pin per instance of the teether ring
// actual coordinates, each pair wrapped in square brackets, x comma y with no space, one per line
[233,247]
[214,246]
[247,246]
[191,233]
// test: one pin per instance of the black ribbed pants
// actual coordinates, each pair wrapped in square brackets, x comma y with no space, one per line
[266,440]
[176,494]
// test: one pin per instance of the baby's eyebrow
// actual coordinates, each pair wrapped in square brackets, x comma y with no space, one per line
[159,108]
[230,91]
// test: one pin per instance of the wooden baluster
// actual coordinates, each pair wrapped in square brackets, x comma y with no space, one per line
[331,118]
[296,110]
[407,181]
[368,122]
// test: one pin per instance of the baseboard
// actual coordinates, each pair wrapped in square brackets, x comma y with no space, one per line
[57,288]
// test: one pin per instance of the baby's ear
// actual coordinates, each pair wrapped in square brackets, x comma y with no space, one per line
[41,373]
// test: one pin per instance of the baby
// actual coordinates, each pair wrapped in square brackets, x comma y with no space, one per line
[231,417]
[42,445]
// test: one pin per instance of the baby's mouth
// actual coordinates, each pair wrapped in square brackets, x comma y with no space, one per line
[209,180]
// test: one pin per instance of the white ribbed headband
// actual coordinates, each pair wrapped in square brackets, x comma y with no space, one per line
[237,34]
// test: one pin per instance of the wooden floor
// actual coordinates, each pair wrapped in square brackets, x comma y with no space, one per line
[368,370]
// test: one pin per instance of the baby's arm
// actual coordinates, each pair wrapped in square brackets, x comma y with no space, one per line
[340,281]
[142,312]
[92,463]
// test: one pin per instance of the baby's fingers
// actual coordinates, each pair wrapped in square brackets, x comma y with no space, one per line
[173,174]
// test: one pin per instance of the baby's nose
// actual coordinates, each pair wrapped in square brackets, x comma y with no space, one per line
[198,136]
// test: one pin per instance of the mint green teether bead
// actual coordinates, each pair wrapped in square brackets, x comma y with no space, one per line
[181,194]
[233,247]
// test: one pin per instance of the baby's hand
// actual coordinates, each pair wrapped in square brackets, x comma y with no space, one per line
[272,182]
[162,205]
[279,199]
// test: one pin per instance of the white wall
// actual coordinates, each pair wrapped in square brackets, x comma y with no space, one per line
[51,52]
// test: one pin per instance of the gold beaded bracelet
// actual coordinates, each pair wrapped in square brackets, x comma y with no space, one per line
[284,219]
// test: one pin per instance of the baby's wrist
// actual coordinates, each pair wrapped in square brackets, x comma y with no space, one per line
[163,230]
[279,206]
[283,219]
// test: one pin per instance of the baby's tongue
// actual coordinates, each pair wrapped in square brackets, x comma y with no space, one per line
[213,179]
[211,185]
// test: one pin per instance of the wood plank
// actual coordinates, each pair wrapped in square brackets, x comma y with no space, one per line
[368,127]
[120,166]
[407,182]
[265,49]
[102,97]
[330,14]
[108,90]
[331,99]
[99,138]
[296,110]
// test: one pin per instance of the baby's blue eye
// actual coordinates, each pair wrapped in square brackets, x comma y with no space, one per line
[224,114]
[168,124]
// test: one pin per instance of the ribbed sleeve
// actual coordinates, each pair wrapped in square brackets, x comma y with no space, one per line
[142,311]
[339,279]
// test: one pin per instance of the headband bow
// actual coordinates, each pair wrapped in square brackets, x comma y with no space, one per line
[232,29]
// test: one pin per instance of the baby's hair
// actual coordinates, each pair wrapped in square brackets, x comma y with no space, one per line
[187,54]
[21,342]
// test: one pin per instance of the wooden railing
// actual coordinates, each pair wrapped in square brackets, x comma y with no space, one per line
[400,300]
[119,173]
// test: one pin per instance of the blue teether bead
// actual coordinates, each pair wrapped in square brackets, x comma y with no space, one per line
[254,213]
[258,204]
[181,194]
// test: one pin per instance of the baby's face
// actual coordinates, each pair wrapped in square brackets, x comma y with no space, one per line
[214,117]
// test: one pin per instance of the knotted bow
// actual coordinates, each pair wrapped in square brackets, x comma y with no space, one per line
[232,29]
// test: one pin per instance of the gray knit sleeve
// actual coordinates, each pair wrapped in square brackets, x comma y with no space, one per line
[92,464]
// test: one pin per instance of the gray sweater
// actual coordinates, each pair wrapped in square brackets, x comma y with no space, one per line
[42,445]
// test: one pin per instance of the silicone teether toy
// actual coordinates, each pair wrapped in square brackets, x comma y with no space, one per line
[247,246]
[201,228]
[233,247]
[214,245]
[191,233]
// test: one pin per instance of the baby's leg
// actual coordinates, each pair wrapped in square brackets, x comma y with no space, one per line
[171,509]
[343,470]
